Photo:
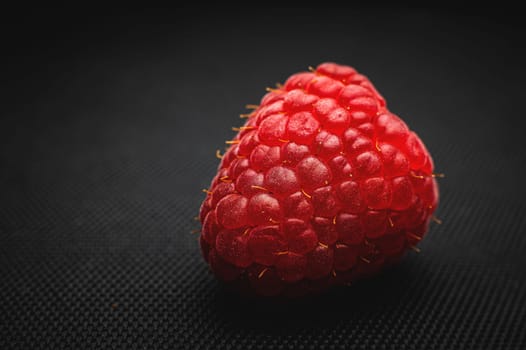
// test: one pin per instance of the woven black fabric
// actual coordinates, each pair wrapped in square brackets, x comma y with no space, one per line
[109,128]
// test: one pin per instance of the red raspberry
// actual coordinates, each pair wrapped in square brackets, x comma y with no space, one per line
[322,185]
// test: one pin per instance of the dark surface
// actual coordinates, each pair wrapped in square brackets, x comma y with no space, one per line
[109,125]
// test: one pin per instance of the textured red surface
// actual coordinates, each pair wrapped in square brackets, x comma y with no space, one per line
[321,186]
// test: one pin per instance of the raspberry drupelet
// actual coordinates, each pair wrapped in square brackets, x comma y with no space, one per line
[321,186]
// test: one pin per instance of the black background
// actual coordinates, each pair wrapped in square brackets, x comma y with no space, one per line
[109,124]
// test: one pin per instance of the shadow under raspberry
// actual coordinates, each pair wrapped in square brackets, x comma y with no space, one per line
[365,299]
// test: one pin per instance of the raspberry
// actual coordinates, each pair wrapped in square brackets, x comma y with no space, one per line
[322,186]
